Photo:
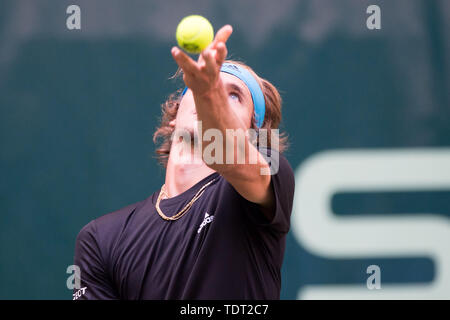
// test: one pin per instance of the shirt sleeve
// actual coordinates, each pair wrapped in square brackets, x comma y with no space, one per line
[283,184]
[94,281]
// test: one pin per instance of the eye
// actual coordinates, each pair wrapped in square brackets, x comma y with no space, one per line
[235,96]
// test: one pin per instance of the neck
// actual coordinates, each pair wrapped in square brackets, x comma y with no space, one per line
[183,174]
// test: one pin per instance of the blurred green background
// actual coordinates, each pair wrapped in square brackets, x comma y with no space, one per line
[78,109]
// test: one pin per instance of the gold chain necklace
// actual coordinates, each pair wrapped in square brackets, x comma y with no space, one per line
[186,207]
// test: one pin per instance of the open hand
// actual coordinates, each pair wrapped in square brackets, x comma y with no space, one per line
[203,75]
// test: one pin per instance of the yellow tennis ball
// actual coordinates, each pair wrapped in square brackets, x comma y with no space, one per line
[194,33]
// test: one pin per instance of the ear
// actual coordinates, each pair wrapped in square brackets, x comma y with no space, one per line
[172,123]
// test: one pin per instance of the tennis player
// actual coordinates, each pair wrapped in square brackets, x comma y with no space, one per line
[215,229]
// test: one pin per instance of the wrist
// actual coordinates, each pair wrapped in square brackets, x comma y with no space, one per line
[213,92]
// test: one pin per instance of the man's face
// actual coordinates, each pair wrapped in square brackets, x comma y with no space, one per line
[239,99]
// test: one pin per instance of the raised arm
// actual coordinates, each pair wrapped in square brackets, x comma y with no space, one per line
[214,111]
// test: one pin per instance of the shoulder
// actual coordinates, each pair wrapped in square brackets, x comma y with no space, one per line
[118,218]
[281,172]
[104,230]
[285,169]
[279,165]
[283,186]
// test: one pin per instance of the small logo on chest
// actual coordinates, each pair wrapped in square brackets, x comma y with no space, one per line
[207,219]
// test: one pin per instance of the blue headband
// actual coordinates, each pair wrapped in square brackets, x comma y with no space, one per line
[253,87]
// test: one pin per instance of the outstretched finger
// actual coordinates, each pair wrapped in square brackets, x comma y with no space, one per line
[184,61]
[210,63]
[222,35]
[221,53]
